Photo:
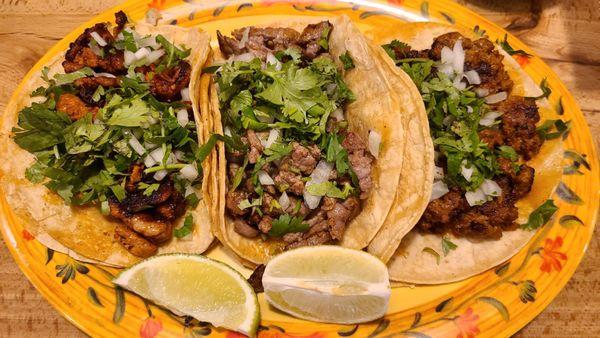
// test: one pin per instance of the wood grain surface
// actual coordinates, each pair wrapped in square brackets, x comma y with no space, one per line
[566,33]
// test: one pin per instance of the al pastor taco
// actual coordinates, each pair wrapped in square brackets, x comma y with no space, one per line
[313,118]
[496,159]
[104,145]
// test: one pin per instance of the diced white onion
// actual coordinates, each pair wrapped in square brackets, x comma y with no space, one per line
[265,178]
[104,75]
[189,190]
[244,39]
[149,145]
[189,172]
[495,98]
[476,197]
[149,161]
[284,201]
[171,159]
[128,58]
[319,175]
[438,173]
[154,56]
[246,57]
[467,173]
[149,41]
[141,53]
[458,62]
[273,136]
[447,56]
[489,118]
[271,59]
[482,92]
[469,109]
[159,175]
[158,154]
[136,145]
[491,188]
[438,190]
[330,88]
[473,77]
[458,83]
[374,143]
[182,117]
[185,94]
[101,42]
[227,131]
[179,155]
[338,114]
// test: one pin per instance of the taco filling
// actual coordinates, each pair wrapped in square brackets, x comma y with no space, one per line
[295,172]
[116,131]
[482,134]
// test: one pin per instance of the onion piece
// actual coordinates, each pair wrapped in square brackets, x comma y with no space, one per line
[330,88]
[189,172]
[244,39]
[438,173]
[265,178]
[491,188]
[141,53]
[467,173]
[182,117]
[129,58]
[273,136]
[447,56]
[438,190]
[476,197]
[154,56]
[104,75]
[473,77]
[136,145]
[482,92]
[489,118]
[374,143]
[458,62]
[246,57]
[458,83]
[185,94]
[149,41]
[189,190]
[338,114]
[271,59]
[227,131]
[469,109]
[159,175]
[158,154]
[284,201]
[149,161]
[101,42]
[319,175]
[495,98]
[179,155]
[95,48]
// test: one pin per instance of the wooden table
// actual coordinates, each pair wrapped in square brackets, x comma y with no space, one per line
[566,33]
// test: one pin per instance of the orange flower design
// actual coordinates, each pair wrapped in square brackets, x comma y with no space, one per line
[27,235]
[551,256]
[396,2]
[467,324]
[150,327]
[157,4]
[522,59]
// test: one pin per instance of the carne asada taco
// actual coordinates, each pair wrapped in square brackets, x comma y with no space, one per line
[497,159]
[105,148]
[312,118]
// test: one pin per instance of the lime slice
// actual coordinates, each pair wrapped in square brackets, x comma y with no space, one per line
[196,286]
[328,284]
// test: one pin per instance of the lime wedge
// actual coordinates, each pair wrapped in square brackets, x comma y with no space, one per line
[196,286]
[328,284]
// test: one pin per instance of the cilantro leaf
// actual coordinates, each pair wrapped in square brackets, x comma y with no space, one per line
[447,246]
[347,61]
[173,53]
[62,79]
[277,151]
[433,253]
[508,152]
[186,229]
[540,216]
[329,189]
[287,224]
[130,114]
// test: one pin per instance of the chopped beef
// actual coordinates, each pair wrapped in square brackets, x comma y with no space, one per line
[232,201]
[442,211]
[144,223]
[137,201]
[361,162]
[316,239]
[270,40]
[305,158]
[173,208]
[265,224]
[241,227]
[167,85]
[269,205]
[339,215]
[521,177]
[121,20]
[256,147]
[491,137]
[136,173]
[293,208]
[480,56]
[519,118]
[133,242]
[88,85]
[255,279]
[290,182]
[73,106]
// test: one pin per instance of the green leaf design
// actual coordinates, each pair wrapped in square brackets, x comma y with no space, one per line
[49,255]
[578,158]
[527,291]
[480,32]
[560,109]
[383,324]
[417,320]
[434,253]
[200,331]
[192,15]
[368,14]
[93,297]
[441,306]
[348,333]
[448,17]
[244,6]
[218,10]
[81,268]
[119,305]
[568,221]
[501,270]
[566,194]
[425,9]
[498,305]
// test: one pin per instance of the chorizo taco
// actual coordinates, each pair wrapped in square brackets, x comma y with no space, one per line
[106,145]
[497,153]
[313,119]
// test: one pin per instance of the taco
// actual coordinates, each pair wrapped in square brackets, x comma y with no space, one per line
[497,157]
[106,145]
[312,117]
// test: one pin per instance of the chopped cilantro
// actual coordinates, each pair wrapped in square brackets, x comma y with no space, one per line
[540,216]
[447,246]
[149,189]
[433,253]
[287,224]
[329,189]
[347,61]
[186,229]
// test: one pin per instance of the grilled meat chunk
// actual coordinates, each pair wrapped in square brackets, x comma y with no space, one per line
[88,85]
[232,201]
[312,37]
[121,20]
[361,162]
[304,158]
[73,106]
[137,201]
[290,182]
[133,242]
[491,137]
[256,147]
[255,280]
[136,173]
[442,211]
[241,227]
[519,118]
[167,85]
[145,224]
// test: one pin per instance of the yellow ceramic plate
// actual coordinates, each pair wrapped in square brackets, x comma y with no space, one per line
[495,303]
